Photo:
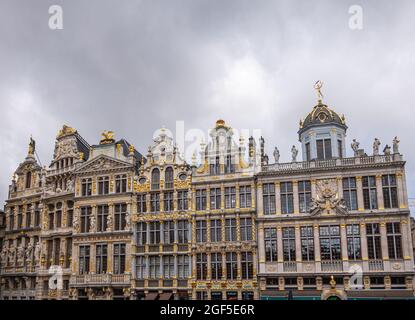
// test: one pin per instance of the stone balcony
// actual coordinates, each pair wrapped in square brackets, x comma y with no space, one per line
[100,279]
[317,165]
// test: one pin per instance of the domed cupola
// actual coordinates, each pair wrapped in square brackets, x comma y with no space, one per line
[323,132]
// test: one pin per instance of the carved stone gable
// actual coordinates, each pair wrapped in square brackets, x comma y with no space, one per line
[103,163]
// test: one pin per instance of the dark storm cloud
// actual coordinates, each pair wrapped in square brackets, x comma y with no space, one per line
[133,66]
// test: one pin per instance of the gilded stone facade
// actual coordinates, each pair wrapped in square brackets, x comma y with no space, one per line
[105,222]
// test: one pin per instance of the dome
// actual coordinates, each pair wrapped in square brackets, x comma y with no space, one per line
[322,115]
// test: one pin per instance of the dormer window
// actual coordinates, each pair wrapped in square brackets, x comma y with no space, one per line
[215,167]
[28,180]
[229,167]
[324,149]
[169,179]
[155,179]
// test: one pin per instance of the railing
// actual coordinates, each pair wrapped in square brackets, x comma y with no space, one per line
[290,266]
[332,266]
[331,163]
[100,279]
[376,265]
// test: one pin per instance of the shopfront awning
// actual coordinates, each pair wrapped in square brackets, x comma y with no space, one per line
[166,296]
[151,296]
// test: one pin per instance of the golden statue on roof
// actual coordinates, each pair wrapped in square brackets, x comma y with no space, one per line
[107,137]
[66,130]
[318,85]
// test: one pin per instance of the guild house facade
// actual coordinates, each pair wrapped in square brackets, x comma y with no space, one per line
[102,221]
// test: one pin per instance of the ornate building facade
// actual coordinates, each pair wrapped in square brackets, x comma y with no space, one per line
[334,226]
[104,222]
[161,221]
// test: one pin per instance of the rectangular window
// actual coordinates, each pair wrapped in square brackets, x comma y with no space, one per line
[201,199]
[308,151]
[182,266]
[121,183]
[287,197]
[369,192]
[201,231]
[390,191]
[270,237]
[11,219]
[101,258]
[269,198]
[154,232]
[84,259]
[330,247]
[28,216]
[307,243]
[230,197]
[304,196]
[393,233]
[182,201]
[247,265]
[350,193]
[119,258]
[102,218]
[288,243]
[245,197]
[37,215]
[155,202]
[214,168]
[103,185]
[340,148]
[216,265]
[86,187]
[216,230]
[141,268]
[168,266]
[59,216]
[230,230]
[246,229]
[85,221]
[201,266]
[183,231]
[215,198]
[353,242]
[141,229]
[373,241]
[168,201]
[20,218]
[229,167]
[168,229]
[120,213]
[154,264]
[141,203]
[231,265]
[324,149]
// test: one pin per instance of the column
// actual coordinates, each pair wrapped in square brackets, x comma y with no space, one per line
[279,244]
[261,248]
[401,186]
[222,197]
[92,227]
[296,197]
[260,204]
[237,204]
[359,188]
[384,241]
[363,242]
[317,252]
[238,228]
[340,187]
[207,199]
[278,197]
[298,256]
[407,250]
[343,239]
[379,192]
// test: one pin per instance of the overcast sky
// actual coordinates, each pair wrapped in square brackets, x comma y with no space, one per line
[133,66]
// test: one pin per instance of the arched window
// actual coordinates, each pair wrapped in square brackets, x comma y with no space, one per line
[155,179]
[28,180]
[169,178]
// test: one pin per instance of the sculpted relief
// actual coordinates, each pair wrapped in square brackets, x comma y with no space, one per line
[327,198]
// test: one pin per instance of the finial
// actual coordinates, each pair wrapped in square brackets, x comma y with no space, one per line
[32,146]
[318,85]
[131,149]
[81,156]
[194,158]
